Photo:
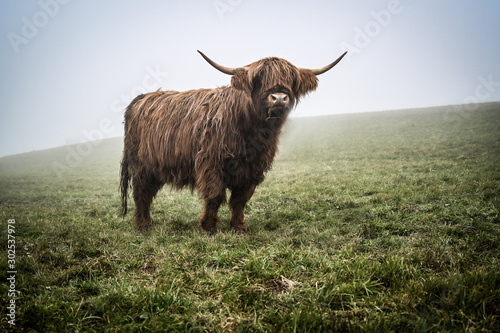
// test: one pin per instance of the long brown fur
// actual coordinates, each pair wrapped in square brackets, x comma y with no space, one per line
[209,139]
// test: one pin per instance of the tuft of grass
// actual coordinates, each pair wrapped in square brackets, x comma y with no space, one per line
[384,222]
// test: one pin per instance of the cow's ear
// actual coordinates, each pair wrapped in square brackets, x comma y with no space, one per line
[241,81]
[306,83]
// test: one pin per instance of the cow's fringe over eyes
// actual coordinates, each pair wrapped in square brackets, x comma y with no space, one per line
[210,139]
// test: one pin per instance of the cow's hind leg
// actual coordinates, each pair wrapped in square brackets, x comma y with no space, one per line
[145,189]
[239,198]
[209,219]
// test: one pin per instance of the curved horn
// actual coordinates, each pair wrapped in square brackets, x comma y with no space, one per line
[223,69]
[318,71]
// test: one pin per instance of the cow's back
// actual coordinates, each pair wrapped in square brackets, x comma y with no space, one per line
[169,129]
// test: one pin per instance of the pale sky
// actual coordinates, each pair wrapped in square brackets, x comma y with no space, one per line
[70,67]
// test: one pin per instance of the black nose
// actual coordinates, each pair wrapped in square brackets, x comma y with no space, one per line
[279,99]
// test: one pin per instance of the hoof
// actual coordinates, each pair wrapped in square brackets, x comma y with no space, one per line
[211,231]
[241,230]
[145,227]
[209,225]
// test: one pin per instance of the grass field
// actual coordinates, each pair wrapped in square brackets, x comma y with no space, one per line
[375,222]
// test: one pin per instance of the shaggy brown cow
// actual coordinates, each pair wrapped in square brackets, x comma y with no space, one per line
[211,139]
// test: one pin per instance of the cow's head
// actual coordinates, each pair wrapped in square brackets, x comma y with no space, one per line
[274,83]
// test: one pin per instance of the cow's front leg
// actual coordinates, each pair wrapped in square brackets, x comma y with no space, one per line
[209,219]
[239,198]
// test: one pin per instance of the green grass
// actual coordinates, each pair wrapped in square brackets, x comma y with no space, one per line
[372,222]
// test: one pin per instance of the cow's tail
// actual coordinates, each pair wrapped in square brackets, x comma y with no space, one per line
[124,180]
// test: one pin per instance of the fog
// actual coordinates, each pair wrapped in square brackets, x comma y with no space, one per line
[69,68]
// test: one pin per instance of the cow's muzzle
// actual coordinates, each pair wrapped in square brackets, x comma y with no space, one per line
[278,105]
[279,100]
